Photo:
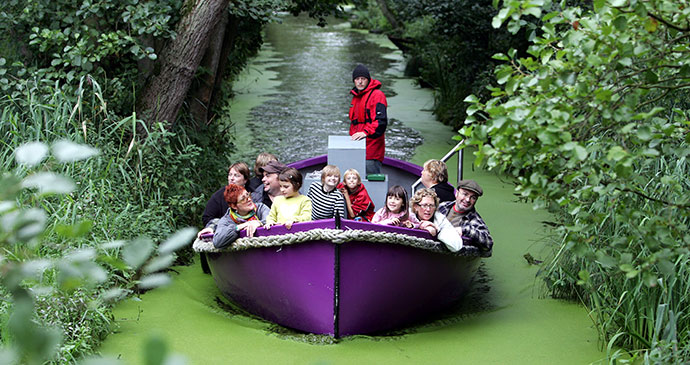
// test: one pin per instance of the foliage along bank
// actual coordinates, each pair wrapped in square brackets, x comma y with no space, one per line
[585,106]
[593,125]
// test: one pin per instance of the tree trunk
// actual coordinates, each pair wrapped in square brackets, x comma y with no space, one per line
[163,96]
[229,41]
[201,92]
[388,15]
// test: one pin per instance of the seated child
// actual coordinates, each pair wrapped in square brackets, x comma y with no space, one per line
[357,200]
[396,212]
[291,206]
[327,201]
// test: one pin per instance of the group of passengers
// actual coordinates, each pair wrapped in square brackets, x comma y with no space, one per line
[273,197]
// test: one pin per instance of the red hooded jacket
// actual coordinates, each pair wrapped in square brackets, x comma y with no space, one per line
[360,202]
[368,115]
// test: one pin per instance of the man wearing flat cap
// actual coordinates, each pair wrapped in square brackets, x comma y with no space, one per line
[368,117]
[271,185]
[464,217]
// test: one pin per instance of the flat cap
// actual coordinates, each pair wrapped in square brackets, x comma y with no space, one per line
[471,185]
[273,167]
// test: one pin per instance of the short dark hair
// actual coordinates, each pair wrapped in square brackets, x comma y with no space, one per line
[293,176]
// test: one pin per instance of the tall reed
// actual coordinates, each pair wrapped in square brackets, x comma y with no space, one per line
[139,186]
[648,311]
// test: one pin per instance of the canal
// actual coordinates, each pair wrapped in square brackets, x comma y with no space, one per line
[290,97]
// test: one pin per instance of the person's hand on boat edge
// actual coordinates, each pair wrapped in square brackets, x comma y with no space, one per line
[407,224]
[430,227]
[250,226]
[288,224]
[203,232]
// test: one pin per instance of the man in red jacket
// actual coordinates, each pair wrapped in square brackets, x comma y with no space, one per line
[368,118]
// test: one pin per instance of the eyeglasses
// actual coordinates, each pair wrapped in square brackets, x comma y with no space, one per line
[242,200]
[427,206]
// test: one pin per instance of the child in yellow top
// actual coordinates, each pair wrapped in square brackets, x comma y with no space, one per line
[292,206]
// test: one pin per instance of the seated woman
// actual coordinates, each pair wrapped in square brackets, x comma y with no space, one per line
[291,206]
[357,200]
[243,214]
[424,204]
[327,201]
[435,177]
[396,213]
[216,207]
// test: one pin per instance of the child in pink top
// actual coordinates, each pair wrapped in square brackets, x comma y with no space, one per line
[396,212]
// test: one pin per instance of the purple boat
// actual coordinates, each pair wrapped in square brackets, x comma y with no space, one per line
[344,277]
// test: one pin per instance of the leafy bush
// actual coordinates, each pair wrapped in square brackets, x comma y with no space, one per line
[55,267]
[593,125]
[62,41]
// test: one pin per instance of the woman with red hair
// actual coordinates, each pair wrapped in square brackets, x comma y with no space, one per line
[242,214]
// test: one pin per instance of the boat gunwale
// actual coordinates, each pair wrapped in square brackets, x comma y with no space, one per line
[352,231]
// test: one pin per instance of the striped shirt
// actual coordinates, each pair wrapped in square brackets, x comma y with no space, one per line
[326,205]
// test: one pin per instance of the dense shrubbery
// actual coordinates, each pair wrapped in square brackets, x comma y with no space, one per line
[61,41]
[134,188]
[70,71]
[593,125]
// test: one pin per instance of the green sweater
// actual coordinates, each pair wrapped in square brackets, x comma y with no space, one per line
[295,209]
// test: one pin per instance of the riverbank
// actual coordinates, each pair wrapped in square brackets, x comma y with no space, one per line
[511,323]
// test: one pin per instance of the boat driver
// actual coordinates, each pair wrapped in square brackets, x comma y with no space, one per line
[464,217]
[368,117]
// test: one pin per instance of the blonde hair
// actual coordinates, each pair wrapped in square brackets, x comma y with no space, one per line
[329,170]
[438,170]
[262,160]
[423,193]
[353,172]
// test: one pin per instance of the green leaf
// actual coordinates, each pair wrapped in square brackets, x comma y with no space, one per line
[579,151]
[500,17]
[606,260]
[49,183]
[68,151]
[74,230]
[471,99]
[113,294]
[154,281]
[649,279]
[137,252]
[155,351]
[621,23]
[644,133]
[616,153]
[178,240]
[31,154]
[159,263]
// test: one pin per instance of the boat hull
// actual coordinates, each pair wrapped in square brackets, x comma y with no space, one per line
[341,289]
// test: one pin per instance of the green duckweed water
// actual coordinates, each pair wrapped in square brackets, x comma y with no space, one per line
[505,320]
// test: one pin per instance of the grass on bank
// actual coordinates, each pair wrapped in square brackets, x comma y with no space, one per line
[135,187]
